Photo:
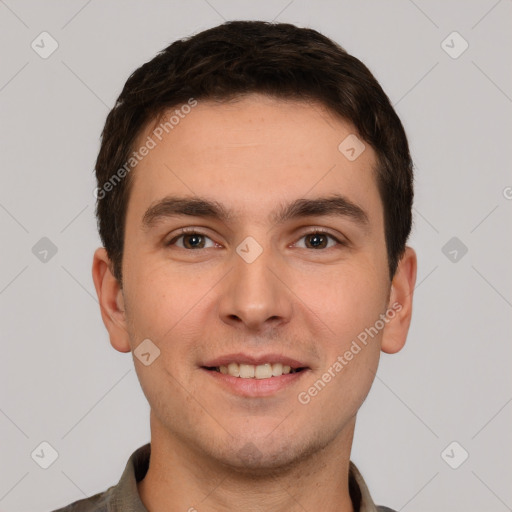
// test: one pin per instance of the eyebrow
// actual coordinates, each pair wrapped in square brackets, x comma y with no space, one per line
[174,206]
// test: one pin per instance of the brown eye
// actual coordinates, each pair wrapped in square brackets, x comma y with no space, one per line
[191,240]
[319,240]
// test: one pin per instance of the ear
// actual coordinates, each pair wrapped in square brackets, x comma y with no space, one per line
[110,296]
[400,301]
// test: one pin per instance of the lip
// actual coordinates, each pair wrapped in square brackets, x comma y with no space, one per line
[255,387]
[242,358]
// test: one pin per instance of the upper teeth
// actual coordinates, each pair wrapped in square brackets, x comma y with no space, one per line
[250,371]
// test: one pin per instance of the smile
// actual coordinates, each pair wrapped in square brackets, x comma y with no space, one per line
[250,371]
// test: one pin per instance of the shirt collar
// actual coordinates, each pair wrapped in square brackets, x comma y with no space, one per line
[125,495]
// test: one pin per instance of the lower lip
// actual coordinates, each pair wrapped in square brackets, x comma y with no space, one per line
[255,387]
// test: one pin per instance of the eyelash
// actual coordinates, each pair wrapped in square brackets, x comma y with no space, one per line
[193,231]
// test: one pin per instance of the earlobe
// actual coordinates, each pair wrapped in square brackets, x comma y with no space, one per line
[111,300]
[400,301]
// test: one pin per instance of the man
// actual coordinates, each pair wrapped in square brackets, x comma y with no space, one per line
[254,202]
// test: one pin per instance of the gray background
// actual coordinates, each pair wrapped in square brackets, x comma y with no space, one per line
[63,383]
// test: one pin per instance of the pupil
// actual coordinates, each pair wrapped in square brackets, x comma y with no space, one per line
[194,241]
[316,240]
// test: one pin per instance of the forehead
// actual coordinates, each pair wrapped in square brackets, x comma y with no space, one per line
[250,154]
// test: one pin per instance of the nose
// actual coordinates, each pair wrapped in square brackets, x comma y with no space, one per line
[254,295]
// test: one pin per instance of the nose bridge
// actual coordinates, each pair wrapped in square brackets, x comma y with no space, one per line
[254,295]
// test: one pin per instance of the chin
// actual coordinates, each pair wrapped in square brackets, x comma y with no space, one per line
[261,456]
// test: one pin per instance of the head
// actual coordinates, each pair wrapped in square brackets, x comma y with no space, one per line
[246,126]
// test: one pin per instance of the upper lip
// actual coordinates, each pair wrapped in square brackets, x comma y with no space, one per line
[242,358]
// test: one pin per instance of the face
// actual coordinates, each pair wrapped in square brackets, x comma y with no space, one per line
[283,263]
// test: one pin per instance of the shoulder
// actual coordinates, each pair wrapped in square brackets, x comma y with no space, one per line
[384,509]
[96,503]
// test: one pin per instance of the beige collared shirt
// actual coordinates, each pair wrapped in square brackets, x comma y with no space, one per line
[124,497]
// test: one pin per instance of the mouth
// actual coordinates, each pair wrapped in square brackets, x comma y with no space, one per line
[253,381]
[255,375]
[251,371]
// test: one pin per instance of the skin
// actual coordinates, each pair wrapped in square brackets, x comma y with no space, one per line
[253,155]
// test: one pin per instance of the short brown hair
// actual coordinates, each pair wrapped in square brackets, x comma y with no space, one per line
[242,57]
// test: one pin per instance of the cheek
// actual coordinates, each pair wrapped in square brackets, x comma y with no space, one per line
[344,302]
[343,307]
[346,391]
[163,297]
[164,308]
[169,307]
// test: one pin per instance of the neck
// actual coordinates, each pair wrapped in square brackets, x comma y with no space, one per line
[182,478]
